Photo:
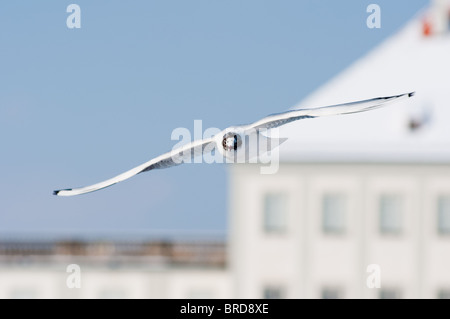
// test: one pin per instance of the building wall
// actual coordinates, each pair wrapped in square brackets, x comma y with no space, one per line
[305,262]
[49,281]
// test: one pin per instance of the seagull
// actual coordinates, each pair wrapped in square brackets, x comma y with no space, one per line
[231,142]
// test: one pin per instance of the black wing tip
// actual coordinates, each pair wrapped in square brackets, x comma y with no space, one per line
[57,192]
[410,94]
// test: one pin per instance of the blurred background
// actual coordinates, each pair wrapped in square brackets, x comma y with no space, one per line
[352,194]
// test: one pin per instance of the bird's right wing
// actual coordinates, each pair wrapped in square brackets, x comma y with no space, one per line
[279,119]
[175,157]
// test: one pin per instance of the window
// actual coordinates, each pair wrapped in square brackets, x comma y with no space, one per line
[112,293]
[23,293]
[444,294]
[273,292]
[389,293]
[448,21]
[391,211]
[331,293]
[333,213]
[275,213]
[200,294]
[444,215]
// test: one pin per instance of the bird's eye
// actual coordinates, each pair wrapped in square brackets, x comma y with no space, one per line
[237,141]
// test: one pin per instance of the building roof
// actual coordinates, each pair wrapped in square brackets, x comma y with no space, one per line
[414,130]
[148,253]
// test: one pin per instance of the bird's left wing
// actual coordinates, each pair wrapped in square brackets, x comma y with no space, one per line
[175,157]
[279,119]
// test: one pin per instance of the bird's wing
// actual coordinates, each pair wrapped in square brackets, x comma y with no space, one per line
[279,119]
[175,157]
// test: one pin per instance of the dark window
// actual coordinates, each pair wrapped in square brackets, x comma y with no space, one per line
[334,208]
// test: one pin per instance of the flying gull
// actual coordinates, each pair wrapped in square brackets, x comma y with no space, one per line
[231,142]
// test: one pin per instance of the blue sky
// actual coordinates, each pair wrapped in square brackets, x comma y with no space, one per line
[78,106]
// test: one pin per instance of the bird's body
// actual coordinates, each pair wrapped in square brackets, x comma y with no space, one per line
[238,143]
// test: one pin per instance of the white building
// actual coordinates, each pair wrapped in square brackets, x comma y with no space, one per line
[154,269]
[357,190]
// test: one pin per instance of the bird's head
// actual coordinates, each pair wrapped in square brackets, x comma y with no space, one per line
[231,141]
